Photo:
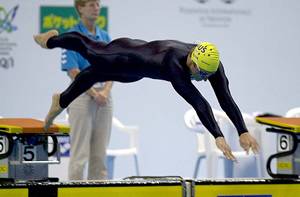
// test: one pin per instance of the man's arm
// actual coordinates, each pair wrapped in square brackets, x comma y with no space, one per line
[190,93]
[220,85]
[184,87]
[179,75]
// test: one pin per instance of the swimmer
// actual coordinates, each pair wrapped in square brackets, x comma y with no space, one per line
[129,60]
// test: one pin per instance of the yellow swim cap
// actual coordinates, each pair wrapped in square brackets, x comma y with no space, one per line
[206,57]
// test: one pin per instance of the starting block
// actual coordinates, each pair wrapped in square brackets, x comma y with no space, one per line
[288,156]
[24,148]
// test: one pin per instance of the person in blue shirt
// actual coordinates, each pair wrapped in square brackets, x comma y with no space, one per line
[129,60]
[90,115]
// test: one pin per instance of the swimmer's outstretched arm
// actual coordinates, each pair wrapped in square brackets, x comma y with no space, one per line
[220,85]
[190,93]
[182,84]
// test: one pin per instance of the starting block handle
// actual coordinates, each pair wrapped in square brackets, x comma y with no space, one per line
[6,150]
[282,154]
[56,146]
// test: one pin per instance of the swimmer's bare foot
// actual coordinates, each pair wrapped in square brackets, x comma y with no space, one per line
[54,110]
[42,38]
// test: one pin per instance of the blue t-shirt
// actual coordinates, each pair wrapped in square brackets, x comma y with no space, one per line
[71,59]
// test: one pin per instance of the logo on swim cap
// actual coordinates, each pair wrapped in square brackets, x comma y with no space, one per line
[206,57]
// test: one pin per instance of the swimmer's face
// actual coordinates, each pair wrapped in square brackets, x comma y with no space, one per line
[196,73]
[199,74]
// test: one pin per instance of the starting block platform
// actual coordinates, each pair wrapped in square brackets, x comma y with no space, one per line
[24,148]
[158,187]
[29,126]
[288,138]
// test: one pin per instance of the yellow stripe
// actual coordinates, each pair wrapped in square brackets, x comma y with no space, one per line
[14,129]
[10,129]
[3,169]
[132,191]
[14,192]
[284,165]
[275,190]
[292,128]
[63,128]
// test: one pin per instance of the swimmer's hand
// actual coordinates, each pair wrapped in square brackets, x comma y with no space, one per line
[225,148]
[248,142]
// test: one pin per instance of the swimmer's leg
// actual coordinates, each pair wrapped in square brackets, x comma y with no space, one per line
[72,41]
[83,81]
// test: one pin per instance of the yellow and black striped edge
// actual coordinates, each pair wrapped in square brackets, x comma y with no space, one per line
[10,129]
[20,192]
[95,189]
[63,128]
[287,127]
[247,187]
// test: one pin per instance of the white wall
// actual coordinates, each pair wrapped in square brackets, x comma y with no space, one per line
[259,44]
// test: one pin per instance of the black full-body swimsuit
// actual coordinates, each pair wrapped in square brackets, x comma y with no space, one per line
[129,60]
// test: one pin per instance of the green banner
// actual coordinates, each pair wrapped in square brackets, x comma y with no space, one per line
[64,18]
